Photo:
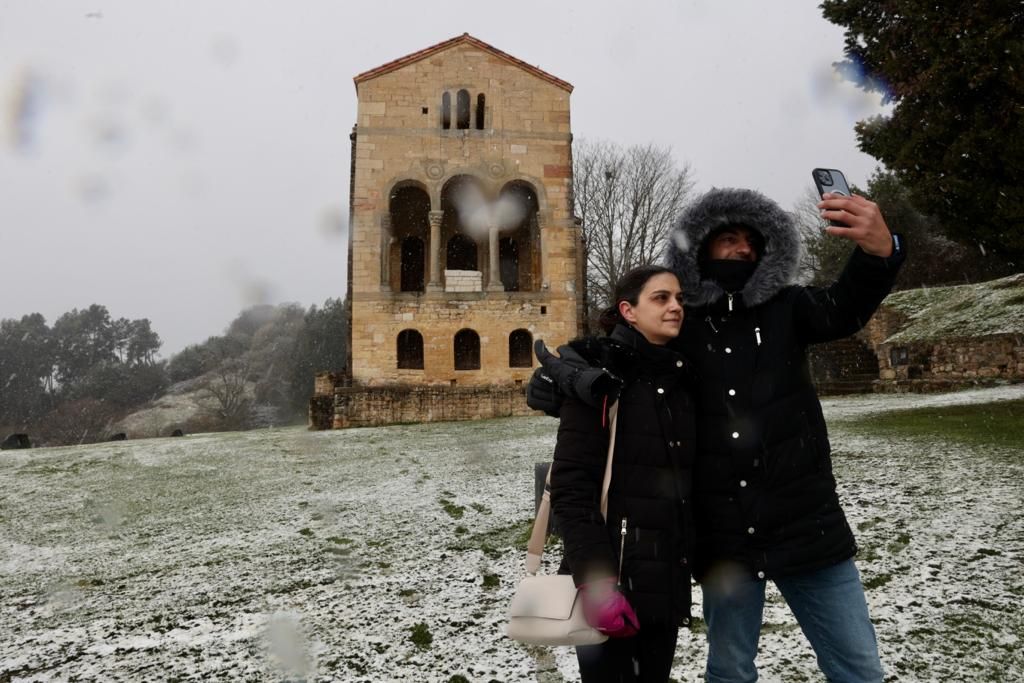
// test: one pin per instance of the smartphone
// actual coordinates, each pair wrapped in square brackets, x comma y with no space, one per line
[831,180]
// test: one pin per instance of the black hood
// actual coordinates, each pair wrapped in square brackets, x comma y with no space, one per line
[723,207]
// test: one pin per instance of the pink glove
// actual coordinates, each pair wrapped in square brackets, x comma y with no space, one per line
[607,610]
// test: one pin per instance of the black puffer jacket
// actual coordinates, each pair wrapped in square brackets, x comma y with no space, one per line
[765,494]
[651,478]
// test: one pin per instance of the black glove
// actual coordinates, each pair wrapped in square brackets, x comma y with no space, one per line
[568,374]
[542,394]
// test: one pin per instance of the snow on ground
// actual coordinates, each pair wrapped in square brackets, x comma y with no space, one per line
[288,555]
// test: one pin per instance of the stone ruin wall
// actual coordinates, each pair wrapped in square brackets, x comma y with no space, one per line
[945,364]
[347,406]
[954,364]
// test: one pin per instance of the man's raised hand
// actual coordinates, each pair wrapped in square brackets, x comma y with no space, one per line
[866,224]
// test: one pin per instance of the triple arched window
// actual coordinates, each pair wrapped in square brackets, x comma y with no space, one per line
[463,105]
[466,348]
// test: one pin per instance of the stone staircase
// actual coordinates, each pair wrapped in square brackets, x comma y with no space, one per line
[846,366]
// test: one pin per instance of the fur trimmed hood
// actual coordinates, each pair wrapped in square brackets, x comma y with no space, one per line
[719,208]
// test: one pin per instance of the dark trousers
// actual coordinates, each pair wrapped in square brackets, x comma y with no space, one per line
[645,657]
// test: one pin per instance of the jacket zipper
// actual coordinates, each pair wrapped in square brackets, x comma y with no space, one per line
[730,301]
[622,549]
[757,335]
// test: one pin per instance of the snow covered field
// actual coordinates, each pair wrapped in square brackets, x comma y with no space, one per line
[386,554]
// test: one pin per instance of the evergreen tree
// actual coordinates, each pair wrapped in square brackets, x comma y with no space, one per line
[26,369]
[955,138]
[82,340]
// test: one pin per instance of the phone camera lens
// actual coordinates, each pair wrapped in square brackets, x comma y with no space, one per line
[825,177]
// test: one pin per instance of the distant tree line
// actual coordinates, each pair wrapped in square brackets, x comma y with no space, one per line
[78,374]
[71,382]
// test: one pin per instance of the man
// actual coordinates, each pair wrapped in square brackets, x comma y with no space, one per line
[764,495]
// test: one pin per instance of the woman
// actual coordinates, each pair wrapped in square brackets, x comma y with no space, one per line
[633,567]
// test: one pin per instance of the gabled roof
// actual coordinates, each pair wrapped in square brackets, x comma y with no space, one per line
[467,39]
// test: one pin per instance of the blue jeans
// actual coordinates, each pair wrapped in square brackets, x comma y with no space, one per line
[828,604]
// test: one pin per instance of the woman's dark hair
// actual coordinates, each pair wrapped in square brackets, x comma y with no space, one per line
[628,289]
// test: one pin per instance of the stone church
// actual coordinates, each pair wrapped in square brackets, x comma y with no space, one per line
[463,246]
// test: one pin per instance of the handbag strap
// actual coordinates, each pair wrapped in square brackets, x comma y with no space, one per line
[535,547]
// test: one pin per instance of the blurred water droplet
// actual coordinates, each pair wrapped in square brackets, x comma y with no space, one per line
[93,188]
[224,50]
[26,108]
[61,596]
[334,224]
[681,241]
[288,651]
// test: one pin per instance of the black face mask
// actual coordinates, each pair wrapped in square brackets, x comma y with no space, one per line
[729,274]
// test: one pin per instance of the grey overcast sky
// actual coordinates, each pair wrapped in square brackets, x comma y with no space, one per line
[180,160]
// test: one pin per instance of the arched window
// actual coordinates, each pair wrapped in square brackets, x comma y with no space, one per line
[480,109]
[405,238]
[520,343]
[412,264]
[462,110]
[519,247]
[410,350]
[461,253]
[446,111]
[467,350]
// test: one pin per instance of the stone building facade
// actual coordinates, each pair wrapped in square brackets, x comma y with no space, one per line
[947,338]
[463,245]
[931,339]
[942,363]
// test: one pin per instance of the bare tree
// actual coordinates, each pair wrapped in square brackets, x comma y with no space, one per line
[227,391]
[627,199]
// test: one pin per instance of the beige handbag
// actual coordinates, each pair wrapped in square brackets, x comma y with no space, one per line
[546,608]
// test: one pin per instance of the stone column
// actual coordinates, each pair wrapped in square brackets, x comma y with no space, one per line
[494,276]
[386,240]
[434,285]
[540,275]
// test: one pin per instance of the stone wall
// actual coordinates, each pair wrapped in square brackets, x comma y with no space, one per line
[463,281]
[321,412]
[886,322]
[843,366]
[376,406]
[438,318]
[325,382]
[952,363]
